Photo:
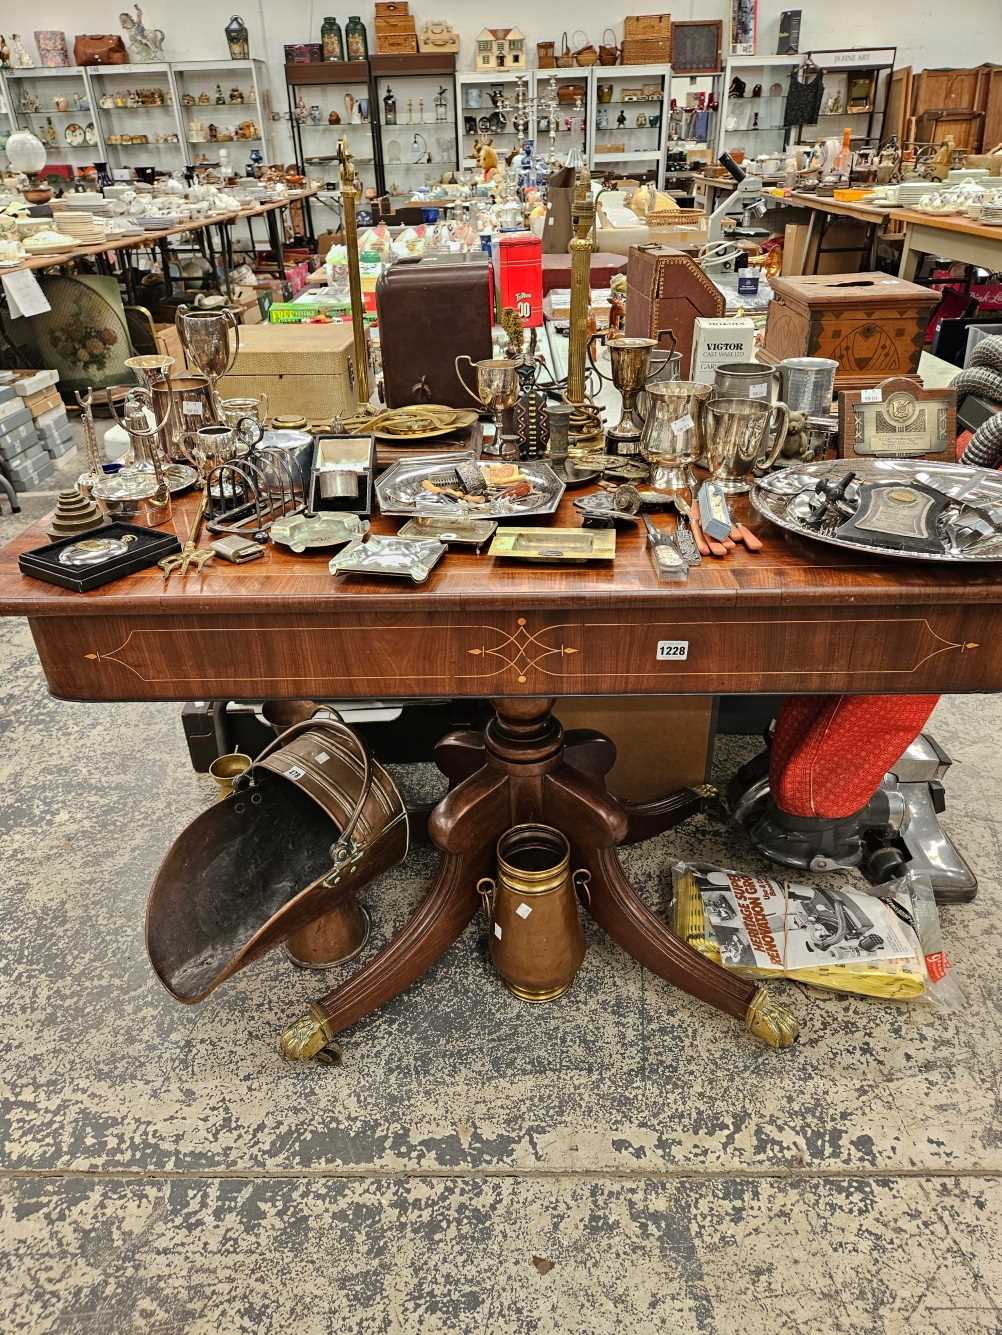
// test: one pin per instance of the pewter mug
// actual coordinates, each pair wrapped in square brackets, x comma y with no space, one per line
[205,338]
[673,435]
[744,380]
[807,384]
[737,440]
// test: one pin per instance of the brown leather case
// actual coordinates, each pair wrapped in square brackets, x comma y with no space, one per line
[873,325]
[431,310]
[668,290]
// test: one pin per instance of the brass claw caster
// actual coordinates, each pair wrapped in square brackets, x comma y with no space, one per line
[771,1021]
[310,1038]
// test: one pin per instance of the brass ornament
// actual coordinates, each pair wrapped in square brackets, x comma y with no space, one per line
[309,1037]
[771,1021]
[349,199]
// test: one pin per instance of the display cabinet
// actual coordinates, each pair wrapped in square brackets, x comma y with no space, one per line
[694,113]
[56,106]
[136,111]
[223,106]
[629,113]
[480,102]
[327,101]
[414,108]
[574,93]
[856,86]
[753,104]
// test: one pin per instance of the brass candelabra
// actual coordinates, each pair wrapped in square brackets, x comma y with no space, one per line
[586,420]
[349,200]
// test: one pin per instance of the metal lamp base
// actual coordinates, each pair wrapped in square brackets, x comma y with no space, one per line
[524,994]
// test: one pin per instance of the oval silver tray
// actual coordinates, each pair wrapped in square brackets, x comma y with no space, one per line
[952,478]
[399,491]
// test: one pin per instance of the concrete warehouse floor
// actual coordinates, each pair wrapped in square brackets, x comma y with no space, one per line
[625,1160]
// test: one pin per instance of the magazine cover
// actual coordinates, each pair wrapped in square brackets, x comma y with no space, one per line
[758,922]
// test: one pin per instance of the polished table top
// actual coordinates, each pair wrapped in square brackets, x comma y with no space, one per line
[788,571]
[796,616]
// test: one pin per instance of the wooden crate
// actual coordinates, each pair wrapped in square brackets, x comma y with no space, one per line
[396,44]
[647,25]
[646,50]
[385,7]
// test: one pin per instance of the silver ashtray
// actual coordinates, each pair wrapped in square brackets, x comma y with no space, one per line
[453,532]
[327,529]
[404,558]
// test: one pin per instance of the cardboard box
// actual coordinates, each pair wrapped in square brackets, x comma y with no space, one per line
[718,340]
[169,343]
[33,382]
[663,743]
[303,368]
[43,401]
[849,233]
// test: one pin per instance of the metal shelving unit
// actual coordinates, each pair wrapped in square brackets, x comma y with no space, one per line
[51,102]
[424,87]
[315,91]
[206,78]
[119,85]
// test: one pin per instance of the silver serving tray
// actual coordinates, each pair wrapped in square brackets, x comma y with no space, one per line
[404,558]
[987,491]
[326,529]
[399,491]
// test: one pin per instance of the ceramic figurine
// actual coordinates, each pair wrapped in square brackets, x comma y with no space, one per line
[333,118]
[220,98]
[621,119]
[641,120]
[146,45]
[236,97]
[4,52]
[204,100]
[601,119]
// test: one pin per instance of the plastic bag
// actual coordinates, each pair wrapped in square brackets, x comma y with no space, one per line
[886,945]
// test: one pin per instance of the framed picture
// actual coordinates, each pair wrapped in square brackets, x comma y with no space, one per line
[898,419]
[696,46]
[744,27]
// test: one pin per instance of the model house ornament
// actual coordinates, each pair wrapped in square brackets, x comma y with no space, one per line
[500,49]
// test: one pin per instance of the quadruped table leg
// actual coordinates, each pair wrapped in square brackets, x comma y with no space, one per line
[517,772]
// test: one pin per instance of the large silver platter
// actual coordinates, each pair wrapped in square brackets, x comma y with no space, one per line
[980,486]
[399,491]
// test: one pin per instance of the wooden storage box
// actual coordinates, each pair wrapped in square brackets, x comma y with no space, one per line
[307,369]
[873,325]
[646,50]
[396,44]
[665,289]
[647,25]
[385,8]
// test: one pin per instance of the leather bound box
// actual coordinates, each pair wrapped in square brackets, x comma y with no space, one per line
[303,368]
[668,290]
[430,310]
[873,325]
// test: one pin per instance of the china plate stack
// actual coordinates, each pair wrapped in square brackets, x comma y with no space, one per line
[84,228]
[86,202]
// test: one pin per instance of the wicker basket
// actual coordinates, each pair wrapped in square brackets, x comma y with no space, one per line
[675,217]
[646,50]
[647,25]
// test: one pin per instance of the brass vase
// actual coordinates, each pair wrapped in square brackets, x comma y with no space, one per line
[536,939]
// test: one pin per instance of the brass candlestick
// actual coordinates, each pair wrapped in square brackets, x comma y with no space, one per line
[586,421]
[349,199]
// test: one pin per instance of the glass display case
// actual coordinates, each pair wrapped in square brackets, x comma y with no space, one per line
[480,111]
[223,107]
[415,115]
[753,104]
[573,92]
[136,111]
[55,105]
[628,119]
[328,101]
[694,114]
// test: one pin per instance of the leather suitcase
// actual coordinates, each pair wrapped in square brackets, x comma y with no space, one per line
[873,325]
[668,290]
[431,310]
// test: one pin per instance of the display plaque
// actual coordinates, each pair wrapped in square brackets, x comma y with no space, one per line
[898,419]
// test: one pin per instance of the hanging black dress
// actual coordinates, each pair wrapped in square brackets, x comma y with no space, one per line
[803,101]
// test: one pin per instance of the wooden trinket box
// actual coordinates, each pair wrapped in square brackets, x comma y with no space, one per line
[303,368]
[873,325]
[668,290]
